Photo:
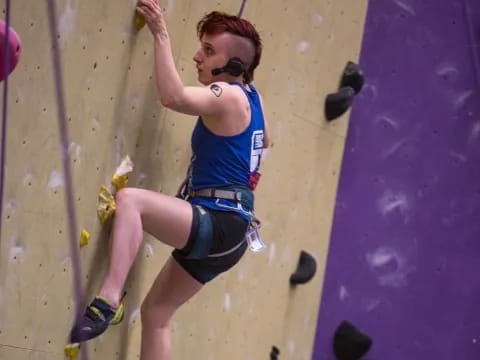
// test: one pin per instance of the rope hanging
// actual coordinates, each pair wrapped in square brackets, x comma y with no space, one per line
[6,67]
[63,129]
[242,7]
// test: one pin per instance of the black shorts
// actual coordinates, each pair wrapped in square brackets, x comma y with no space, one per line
[216,243]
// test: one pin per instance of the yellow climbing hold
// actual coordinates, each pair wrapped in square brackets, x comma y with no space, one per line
[72,350]
[120,178]
[139,21]
[106,204]
[84,238]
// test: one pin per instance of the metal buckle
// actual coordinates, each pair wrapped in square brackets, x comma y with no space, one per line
[238,196]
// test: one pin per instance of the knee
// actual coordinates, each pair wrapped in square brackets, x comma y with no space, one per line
[125,196]
[154,315]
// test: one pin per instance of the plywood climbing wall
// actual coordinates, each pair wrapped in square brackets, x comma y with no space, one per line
[113,112]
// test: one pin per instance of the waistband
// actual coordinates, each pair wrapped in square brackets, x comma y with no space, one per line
[239,194]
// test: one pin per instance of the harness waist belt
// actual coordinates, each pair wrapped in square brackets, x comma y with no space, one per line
[217,193]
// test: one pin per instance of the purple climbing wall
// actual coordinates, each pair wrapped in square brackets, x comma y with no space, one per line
[404,258]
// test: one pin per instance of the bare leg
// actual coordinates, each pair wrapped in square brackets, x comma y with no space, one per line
[167,218]
[172,287]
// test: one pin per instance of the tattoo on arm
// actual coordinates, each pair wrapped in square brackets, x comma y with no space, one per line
[216,90]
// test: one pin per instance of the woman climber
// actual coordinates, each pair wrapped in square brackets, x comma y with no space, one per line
[207,222]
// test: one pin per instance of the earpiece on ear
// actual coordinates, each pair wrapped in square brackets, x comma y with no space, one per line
[234,67]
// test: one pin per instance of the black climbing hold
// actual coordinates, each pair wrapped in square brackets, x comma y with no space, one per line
[306,268]
[274,353]
[349,343]
[338,103]
[353,77]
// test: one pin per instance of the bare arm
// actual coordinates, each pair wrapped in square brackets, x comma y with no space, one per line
[203,101]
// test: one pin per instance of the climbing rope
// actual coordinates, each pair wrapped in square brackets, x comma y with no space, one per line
[6,68]
[242,7]
[62,122]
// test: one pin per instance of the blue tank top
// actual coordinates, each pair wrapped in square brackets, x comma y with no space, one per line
[222,161]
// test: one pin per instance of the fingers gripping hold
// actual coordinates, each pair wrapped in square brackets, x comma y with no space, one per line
[153,16]
[149,8]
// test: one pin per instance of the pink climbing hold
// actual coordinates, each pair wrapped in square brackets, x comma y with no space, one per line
[15,49]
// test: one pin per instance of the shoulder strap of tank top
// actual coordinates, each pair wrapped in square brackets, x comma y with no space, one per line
[252,95]
[241,86]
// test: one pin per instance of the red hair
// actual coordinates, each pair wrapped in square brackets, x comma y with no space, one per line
[219,22]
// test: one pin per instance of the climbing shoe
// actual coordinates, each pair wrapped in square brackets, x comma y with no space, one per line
[96,319]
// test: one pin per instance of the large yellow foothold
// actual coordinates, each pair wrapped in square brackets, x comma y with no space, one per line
[139,21]
[120,178]
[84,238]
[106,204]
[72,350]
